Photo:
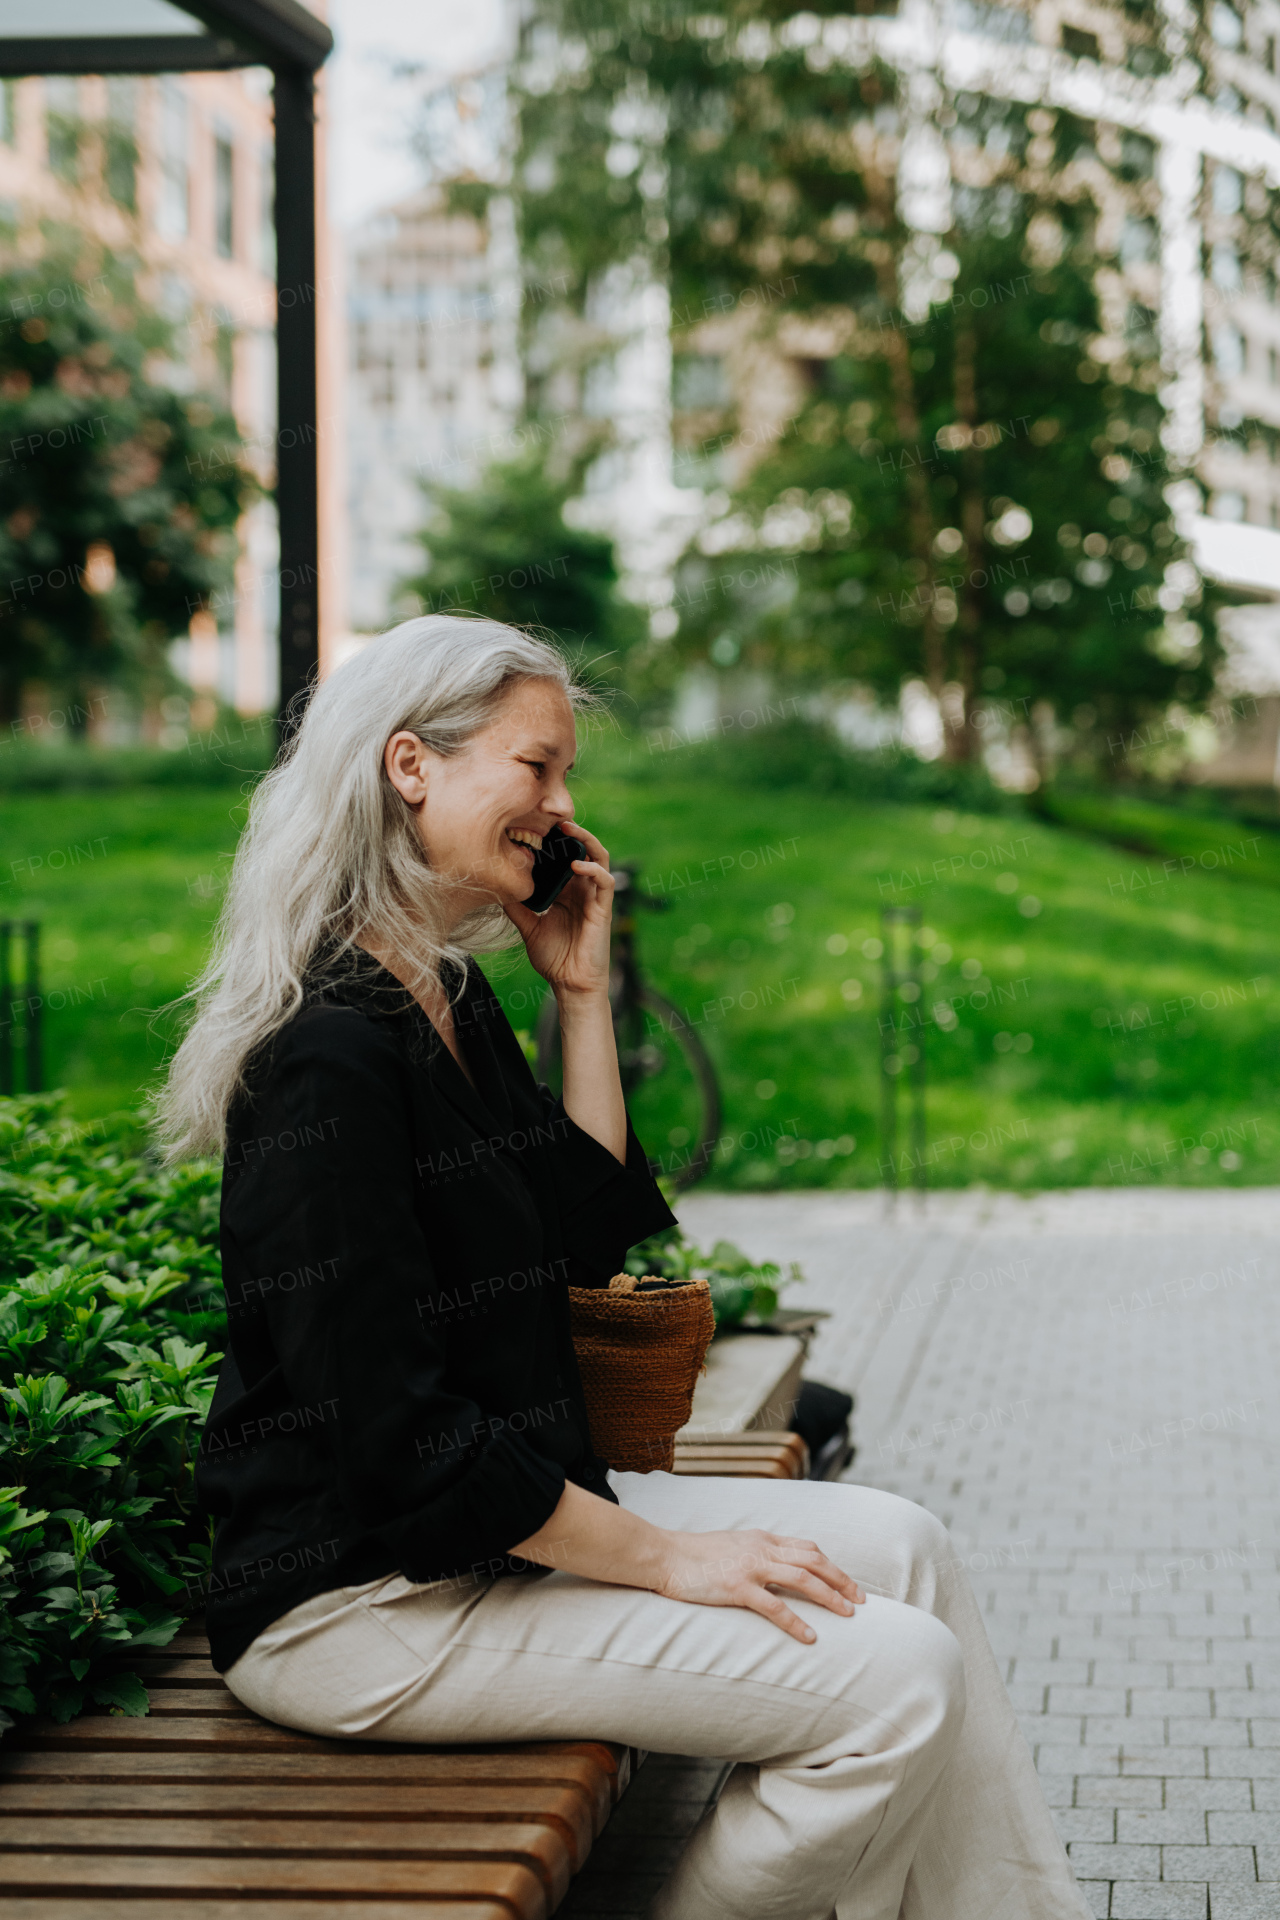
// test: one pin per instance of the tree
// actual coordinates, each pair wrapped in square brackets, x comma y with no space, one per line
[972,487]
[119,496]
[503,548]
[1013,543]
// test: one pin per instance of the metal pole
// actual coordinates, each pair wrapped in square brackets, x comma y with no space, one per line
[34,1078]
[6,1006]
[297,478]
[901,988]
[888,1055]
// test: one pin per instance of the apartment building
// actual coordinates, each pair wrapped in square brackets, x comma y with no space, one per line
[178,169]
[434,387]
[1173,114]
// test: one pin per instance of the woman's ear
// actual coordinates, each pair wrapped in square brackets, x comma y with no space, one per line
[405,759]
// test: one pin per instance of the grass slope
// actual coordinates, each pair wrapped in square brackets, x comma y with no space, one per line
[1121,1034]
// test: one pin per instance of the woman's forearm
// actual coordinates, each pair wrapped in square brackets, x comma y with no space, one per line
[592,1086]
[590,1536]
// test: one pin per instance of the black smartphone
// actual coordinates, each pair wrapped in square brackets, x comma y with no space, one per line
[553,869]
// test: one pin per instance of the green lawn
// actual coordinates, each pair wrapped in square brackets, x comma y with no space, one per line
[1121,1034]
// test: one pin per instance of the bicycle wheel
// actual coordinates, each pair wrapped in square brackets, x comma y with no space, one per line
[667,1078]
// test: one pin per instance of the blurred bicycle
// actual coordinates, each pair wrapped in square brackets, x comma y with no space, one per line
[668,1080]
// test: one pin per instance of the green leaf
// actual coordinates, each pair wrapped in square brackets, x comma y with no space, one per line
[124,1691]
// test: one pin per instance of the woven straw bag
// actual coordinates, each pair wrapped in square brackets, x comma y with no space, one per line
[641,1345]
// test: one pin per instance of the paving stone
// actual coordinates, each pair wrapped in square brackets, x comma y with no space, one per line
[1169,1826]
[1121,1793]
[1245,1903]
[1242,1829]
[1189,1762]
[1207,1794]
[1085,1823]
[1150,1900]
[1130,1733]
[1098,1894]
[1219,1732]
[1258,1763]
[1093,1861]
[1209,1863]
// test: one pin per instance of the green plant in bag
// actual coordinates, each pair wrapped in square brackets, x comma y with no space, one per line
[742,1291]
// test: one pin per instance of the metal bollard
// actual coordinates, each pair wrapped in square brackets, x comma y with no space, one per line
[16,935]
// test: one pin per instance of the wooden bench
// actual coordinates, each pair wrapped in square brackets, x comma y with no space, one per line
[202,1811]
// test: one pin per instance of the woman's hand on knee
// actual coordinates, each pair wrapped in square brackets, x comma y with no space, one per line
[745,1569]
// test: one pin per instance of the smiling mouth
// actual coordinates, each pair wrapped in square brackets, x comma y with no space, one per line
[524,837]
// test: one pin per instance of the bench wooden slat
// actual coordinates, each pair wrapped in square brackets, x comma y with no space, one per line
[564,1809]
[538,1848]
[204,1703]
[764,1469]
[504,1882]
[24,1907]
[777,1455]
[393,1770]
[184,1672]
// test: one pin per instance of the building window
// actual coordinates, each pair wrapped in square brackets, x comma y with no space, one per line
[1137,242]
[62,125]
[1225,24]
[1080,44]
[120,144]
[224,354]
[1224,267]
[224,199]
[1227,100]
[698,382]
[1230,506]
[1137,157]
[972,16]
[1228,351]
[1228,190]
[174,190]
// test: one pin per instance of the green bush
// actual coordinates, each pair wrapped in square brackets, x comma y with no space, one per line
[236,753]
[109,1295]
[803,754]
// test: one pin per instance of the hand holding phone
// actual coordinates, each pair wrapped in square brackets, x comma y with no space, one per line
[553,868]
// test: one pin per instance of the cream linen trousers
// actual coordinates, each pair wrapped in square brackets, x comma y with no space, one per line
[880,1771]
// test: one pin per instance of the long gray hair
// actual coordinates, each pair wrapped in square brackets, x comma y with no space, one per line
[331,856]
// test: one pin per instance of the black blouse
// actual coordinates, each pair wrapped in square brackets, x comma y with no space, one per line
[400,1392]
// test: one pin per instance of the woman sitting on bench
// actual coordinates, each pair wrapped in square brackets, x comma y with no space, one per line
[415,1540]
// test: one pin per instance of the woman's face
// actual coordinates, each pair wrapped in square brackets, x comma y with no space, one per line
[481,812]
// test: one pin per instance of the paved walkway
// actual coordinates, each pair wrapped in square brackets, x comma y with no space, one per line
[1085,1387]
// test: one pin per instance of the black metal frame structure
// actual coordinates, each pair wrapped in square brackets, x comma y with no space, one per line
[284,36]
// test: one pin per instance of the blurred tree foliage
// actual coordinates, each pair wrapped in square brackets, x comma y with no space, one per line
[119,495]
[969,486]
[503,548]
